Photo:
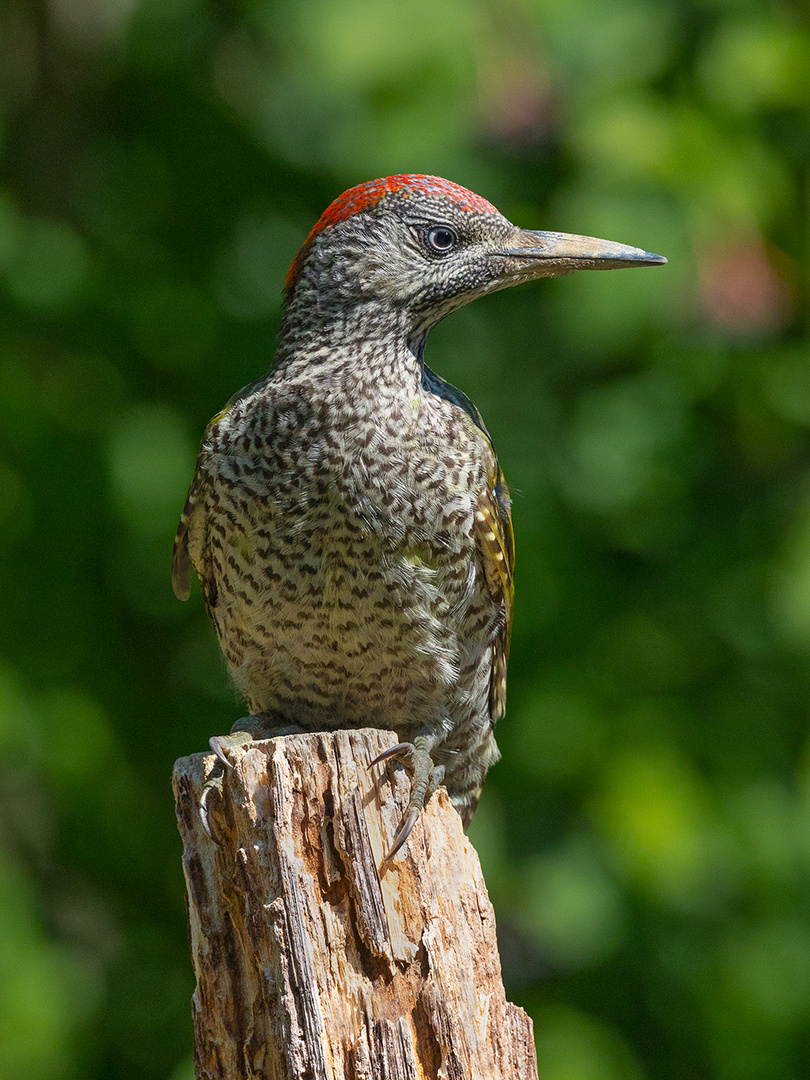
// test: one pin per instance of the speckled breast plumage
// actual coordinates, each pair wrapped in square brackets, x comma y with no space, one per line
[336,528]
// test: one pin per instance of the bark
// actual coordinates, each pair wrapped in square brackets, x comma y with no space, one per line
[316,959]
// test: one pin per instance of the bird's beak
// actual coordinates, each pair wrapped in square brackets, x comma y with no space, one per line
[546,253]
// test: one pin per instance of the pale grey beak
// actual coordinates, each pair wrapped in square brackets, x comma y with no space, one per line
[555,252]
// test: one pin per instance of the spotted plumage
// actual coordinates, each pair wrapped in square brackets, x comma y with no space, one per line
[348,518]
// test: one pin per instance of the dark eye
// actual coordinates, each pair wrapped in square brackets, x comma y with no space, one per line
[442,238]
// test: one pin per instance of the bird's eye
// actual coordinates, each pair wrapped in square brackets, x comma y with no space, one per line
[442,238]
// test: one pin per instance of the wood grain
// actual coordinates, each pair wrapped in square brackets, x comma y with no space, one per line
[316,959]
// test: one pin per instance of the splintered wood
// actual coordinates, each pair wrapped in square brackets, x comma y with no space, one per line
[314,958]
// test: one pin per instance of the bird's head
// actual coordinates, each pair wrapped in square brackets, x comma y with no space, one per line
[425,246]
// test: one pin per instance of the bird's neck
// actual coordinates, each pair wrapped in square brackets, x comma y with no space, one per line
[362,345]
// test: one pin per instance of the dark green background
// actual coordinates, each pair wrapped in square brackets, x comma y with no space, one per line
[646,838]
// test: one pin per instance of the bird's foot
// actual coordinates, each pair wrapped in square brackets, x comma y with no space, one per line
[425,778]
[245,730]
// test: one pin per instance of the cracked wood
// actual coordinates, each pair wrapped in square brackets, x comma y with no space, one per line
[316,960]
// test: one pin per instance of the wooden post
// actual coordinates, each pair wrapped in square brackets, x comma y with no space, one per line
[314,959]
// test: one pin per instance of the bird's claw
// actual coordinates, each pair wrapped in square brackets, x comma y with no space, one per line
[211,787]
[425,778]
[221,744]
[246,730]
[403,749]
[409,819]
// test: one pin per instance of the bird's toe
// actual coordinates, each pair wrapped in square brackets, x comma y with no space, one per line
[247,729]
[426,777]
[211,792]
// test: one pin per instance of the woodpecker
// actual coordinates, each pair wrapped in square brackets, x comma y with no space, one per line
[348,518]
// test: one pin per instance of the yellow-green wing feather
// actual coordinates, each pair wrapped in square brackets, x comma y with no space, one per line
[181,556]
[496,541]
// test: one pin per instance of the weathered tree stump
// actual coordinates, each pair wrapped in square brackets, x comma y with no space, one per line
[314,958]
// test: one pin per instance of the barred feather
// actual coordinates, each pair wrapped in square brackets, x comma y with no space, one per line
[496,540]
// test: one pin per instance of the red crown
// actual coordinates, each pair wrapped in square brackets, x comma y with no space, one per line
[364,196]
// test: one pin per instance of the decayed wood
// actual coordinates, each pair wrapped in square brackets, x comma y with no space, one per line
[314,958]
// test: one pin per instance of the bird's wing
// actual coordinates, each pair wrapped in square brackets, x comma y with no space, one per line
[496,540]
[495,536]
[192,545]
[193,517]
[194,511]
[181,556]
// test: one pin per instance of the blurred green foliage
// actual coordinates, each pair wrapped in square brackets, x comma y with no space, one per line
[646,838]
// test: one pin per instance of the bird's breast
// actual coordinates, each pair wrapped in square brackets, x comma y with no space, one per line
[345,558]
